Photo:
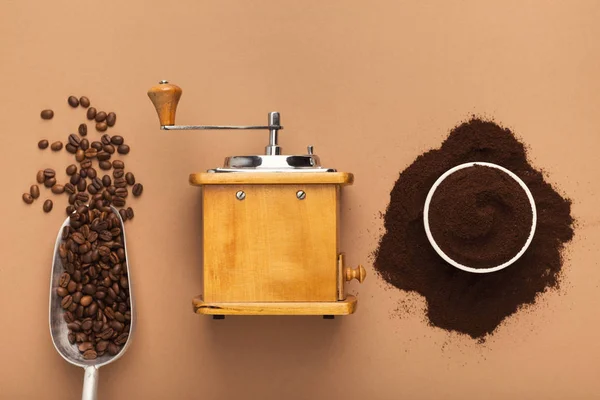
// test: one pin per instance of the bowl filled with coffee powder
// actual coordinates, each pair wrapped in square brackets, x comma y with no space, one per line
[479,217]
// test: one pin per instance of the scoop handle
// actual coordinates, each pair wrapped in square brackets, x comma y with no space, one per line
[90,383]
[165,98]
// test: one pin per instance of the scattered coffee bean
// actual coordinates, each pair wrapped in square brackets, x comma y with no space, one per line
[91,113]
[121,192]
[91,173]
[84,144]
[90,355]
[27,198]
[47,114]
[106,181]
[49,182]
[82,129]
[101,126]
[130,178]
[103,156]
[79,155]
[91,152]
[58,189]
[85,164]
[105,165]
[137,190]
[118,201]
[34,191]
[47,207]
[105,139]
[43,144]
[56,146]
[75,179]
[69,188]
[118,164]
[73,101]
[118,173]
[97,145]
[123,149]
[82,184]
[130,214]
[49,173]
[83,173]
[117,140]
[40,177]
[70,148]
[111,118]
[100,116]
[120,182]
[84,102]
[71,169]
[74,139]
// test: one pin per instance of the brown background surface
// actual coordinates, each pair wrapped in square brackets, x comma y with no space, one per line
[371,85]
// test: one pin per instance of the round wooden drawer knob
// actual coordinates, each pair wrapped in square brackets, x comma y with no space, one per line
[357,273]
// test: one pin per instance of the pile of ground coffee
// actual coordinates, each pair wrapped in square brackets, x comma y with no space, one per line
[474,304]
[480,217]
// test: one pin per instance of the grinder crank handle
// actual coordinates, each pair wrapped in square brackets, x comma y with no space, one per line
[165,98]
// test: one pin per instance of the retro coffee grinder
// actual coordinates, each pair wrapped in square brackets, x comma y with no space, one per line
[271,227]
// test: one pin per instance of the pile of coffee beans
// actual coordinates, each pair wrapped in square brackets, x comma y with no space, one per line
[94,285]
[90,181]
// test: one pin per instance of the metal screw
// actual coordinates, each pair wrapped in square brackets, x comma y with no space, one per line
[301,194]
[240,195]
[163,82]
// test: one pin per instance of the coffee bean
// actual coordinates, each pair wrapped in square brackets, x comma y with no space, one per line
[97,182]
[109,148]
[92,189]
[40,177]
[100,116]
[117,327]
[121,192]
[117,140]
[101,126]
[106,181]
[27,198]
[118,201]
[87,325]
[73,326]
[97,145]
[103,156]
[120,182]
[89,289]
[56,146]
[66,301]
[91,173]
[49,182]
[83,197]
[130,213]
[74,139]
[111,118]
[72,307]
[75,178]
[85,346]
[58,189]
[106,333]
[90,355]
[105,165]
[71,169]
[83,173]
[92,309]
[68,316]
[123,149]
[77,297]
[84,144]
[49,173]
[91,152]
[130,178]
[73,101]
[62,292]
[118,164]
[105,139]
[81,185]
[82,129]
[47,207]
[84,102]
[72,286]
[34,191]
[81,337]
[85,164]
[124,283]
[43,144]
[70,148]
[137,190]
[91,113]
[113,349]
[86,300]
[123,214]
[47,114]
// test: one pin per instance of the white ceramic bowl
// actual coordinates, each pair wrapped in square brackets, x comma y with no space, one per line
[444,255]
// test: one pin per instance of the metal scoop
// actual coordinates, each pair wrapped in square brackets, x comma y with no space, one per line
[59,330]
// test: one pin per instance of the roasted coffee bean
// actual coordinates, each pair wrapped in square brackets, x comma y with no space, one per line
[118,173]
[64,280]
[111,118]
[85,346]
[49,182]
[69,188]
[105,165]
[105,139]
[47,114]
[72,307]
[74,139]
[109,148]
[90,355]
[86,300]
[68,317]
[71,169]
[115,286]
[34,191]
[77,297]
[49,173]
[91,113]
[137,190]
[72,286]
[89,289]
[84,144]
[106,181]
[40,177]
[117,327]
[123,149]
[97,182]
[80,155]
[73,101]
[70,148]
[84,248]
[118,201]
[27,198]
[81,185]
[84,102]
[96,145]
[101,126]
[92,309]
[120,182]
[130,178]
[73,326]
[100,116]
[113,349]
[106,333]
[92,189]
[91,173]
[87,325]
[56,146]
[121,192]
[85,164]
[76,277]
[103,156]
[97,326]
[58,189]
[102,345]
[47,207]
[43,144]
[75,178]
[83,197]
[123,214]
[81,337]
[124,283]
[82,130]
[83,173]
[66,301]
[110,313]
[91,152]
[118,164]
[62,292]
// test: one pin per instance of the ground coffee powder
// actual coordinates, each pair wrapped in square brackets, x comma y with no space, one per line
[474,304]
[480,217]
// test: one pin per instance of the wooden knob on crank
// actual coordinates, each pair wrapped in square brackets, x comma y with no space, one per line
[357,273]
[165,98]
